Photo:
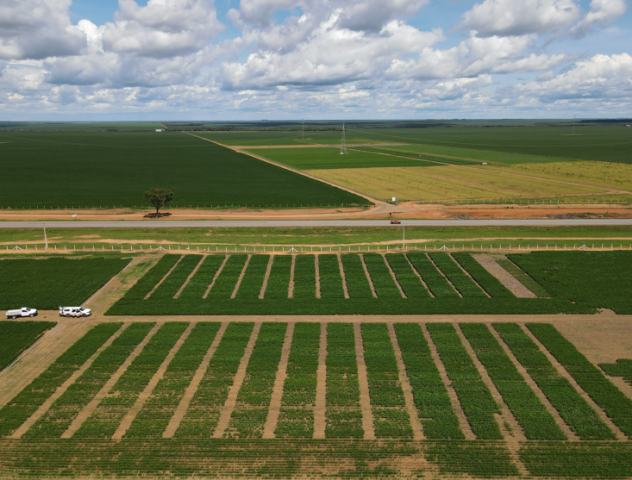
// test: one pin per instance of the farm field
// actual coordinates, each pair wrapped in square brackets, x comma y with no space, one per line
[448,182]
[47,284]
[78,126]
[336,400]
[15,337]
[396,283]
[70,169]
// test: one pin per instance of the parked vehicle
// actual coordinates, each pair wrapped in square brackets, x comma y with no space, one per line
[395,222]
[22,312]
[74,312]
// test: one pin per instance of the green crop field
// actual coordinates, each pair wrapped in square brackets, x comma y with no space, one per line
[15,337]
[70,169]
[246,400]
[47,284]
[571,282]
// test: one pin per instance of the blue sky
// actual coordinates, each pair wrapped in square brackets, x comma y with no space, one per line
[284,59]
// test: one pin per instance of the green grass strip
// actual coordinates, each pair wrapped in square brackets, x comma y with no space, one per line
[202,416]
[429,392]
[408,280]
[437,284]
[459,279]
[476,399]
[156,414]
[225,283]
[616,405]
[343,415]
[299,389]
[330,279]
[24,404]
[15,337]
[279,280]
[199,283]
[574,410]
[381,277]
[176,278]
[305,277]
[485,279]
[247,421]
[250,286]
[536,422]
[62,413]
[108,415]
[523,277]
[387,397]
[357,283]
[146,283]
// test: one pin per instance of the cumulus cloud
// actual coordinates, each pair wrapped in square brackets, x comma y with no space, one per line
[38,29]
[511,17]
[162,29]
[602,13]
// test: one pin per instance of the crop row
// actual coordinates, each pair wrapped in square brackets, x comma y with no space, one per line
[436,282]
[153,419]
[279,280]
[203,414]
[408,280]
[385,391]
[253,400]
[485,279]
[305,277]
[343,415]
[357,283]
[522,277]
[330,278]
[170,286]
[616,405]
[429,392]
[476,399]
[296,418]
[67,407]
[25,403]
[148,281]
[457,277]
[254,276]
[107,416]
[576,413]
[381,277]
[536,422]
[46,284]
[622,368]
[195,290]
[227,279]
[15,337]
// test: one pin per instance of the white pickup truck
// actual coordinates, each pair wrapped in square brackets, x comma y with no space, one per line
[22,312]
[74,312]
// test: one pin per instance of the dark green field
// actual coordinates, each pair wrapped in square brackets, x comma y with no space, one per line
[114,169]
[15,337]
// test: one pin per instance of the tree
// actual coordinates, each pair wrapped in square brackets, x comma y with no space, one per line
[158,197]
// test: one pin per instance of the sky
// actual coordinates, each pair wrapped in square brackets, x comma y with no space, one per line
[223,60]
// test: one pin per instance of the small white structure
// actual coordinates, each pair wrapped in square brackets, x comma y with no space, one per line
[160,129]
[394,199]
[484,163]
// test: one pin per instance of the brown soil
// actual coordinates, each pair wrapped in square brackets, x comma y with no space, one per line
[342,274]
[89,409]
[279,381]
[227,410]
[363,382]
[534,387]
[320,421]
[507,279]
[560,369]
[266,278]
[241,277]
[317,267]
[290,287]
[181,411]
[454,399]
[368,277]
[418,433]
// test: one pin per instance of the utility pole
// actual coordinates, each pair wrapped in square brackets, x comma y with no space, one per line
[45,238]
[343,142]
[403,237]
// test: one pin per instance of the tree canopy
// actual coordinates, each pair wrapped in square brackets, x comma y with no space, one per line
[158,198]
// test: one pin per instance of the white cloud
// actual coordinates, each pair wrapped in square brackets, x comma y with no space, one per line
[520,17]
[163,28]
[38,29]
[602,12]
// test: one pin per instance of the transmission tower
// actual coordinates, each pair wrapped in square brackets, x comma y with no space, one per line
[343,142]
